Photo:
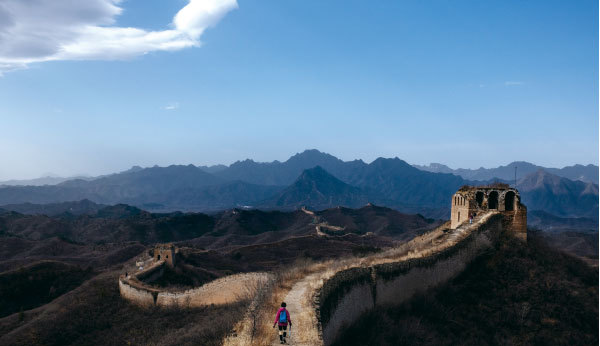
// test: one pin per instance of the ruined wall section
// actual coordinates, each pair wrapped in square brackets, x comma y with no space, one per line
[350,293]
[225,290]
[135,290]
[139,295]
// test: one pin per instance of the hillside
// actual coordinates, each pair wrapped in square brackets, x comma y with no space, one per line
[378,220]
[236,227]
[53,209]
[539,219]
[519,295]
[74,260]
[396,181]
[559,196]
[318,189]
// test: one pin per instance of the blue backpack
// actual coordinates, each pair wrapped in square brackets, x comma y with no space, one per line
[283,316]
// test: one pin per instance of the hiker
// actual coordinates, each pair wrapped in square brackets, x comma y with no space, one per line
[470,218]
[282,319]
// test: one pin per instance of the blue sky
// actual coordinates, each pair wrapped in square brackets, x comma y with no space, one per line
[465,83]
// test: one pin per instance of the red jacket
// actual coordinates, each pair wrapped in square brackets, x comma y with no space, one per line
[287,314]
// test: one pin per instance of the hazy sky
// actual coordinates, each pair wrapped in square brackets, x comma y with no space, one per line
[97,86]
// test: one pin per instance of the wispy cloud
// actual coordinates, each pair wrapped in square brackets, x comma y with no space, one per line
[513,83]
[46,30]
[171,106]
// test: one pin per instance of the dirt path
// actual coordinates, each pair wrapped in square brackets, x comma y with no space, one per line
[297,300]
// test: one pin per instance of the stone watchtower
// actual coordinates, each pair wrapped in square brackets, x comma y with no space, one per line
[479,200]
[165,252]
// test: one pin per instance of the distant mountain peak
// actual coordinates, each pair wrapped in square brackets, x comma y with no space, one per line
[318,178]
[311,155]
[317,188]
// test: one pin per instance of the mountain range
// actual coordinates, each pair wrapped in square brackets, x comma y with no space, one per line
[588,174]
[312,179]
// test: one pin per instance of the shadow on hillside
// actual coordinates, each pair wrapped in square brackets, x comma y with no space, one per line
[95,314]
[517,295]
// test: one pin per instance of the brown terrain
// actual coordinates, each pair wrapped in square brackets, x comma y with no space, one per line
[59,273]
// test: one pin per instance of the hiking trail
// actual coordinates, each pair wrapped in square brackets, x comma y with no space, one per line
[299,298]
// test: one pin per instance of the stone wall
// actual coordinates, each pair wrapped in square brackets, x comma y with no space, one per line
[519,223]
[151,273]
[225,290]
[349,293]
[221,291]
[461,209]
[343,298]
[138,295]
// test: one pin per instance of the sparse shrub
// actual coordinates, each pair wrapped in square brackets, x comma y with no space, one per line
[364,250]
[95,314]
[34,285]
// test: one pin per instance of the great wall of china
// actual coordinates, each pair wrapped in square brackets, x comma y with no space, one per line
[329,299]
[138,288]
[349,293]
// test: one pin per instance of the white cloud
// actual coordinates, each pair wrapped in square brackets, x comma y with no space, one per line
[513,83]
[171,106]
[45,30]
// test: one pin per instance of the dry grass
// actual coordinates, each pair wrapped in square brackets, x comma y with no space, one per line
[284,281]
[95,314]
[257,327]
